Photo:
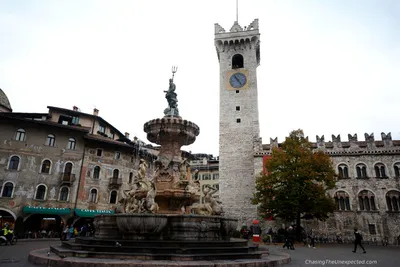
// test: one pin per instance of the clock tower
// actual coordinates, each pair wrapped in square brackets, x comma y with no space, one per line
[239,132]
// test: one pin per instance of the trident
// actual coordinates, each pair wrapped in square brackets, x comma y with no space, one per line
[174,70]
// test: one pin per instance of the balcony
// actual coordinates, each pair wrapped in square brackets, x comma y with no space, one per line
[67,178]
[115,182]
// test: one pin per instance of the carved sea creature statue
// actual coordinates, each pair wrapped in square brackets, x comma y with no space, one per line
[129,203]
[143,182]
[211,206]
[151,204]
[193,187]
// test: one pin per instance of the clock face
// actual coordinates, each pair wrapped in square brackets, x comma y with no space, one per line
[238,80]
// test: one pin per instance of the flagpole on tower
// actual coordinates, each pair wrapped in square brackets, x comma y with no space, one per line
[237,11]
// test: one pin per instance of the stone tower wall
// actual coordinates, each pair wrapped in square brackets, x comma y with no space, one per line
[236,140]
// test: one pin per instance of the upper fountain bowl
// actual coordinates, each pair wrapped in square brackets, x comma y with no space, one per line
[171,128]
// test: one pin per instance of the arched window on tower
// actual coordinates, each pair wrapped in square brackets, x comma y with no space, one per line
[237,61]
[380,171]
[397,170]
[361,171]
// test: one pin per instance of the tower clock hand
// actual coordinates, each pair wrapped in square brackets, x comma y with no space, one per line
[236,78]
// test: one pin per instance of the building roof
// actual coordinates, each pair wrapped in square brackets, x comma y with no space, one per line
[68,111]
[10,116]
[4,100]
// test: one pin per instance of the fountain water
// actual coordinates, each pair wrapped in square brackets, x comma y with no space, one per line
[155,220]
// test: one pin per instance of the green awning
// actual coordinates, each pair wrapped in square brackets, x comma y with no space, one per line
[91,213]
[45,210]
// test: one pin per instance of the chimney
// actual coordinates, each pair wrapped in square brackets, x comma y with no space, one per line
[95,112]
[127,135]
[75,108]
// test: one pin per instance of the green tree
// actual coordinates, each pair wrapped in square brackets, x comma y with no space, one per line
[296,182]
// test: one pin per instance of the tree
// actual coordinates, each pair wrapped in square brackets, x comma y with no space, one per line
[296,182]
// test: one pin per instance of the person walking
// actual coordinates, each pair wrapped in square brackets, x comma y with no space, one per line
[357,241]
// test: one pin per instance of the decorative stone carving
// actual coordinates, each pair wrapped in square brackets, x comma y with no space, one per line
[253,25]
[211,206]
[236,27]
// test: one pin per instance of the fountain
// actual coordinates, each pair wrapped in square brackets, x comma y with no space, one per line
[155,220]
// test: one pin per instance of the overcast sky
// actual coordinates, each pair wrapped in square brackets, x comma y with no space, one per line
[327,67]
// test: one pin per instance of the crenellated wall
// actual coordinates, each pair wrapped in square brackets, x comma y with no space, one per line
[348,159]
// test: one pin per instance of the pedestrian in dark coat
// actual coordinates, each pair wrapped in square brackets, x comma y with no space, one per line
[357,241]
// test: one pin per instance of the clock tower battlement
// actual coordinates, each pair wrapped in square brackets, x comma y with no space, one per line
[239,56]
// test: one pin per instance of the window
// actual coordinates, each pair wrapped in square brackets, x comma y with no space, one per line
[112,135]
[113,197]
[20,135]
[130,177]
[117,155]
[75,120]
[51,140]
[7,190]
[361,171]
[206,177]
[397,170]
[14,163]
[40,192]
[237,61]
[102,128]
[215,176]
[96,172]
[342,200]
[115,174]
[343,171]
[393,200]
[380,171]
[71,143]
[46,164]
[64,194]
[372,229]
[238,108]
[366,200]
[93,195]
[68,169]
[238,120]
[99,152]
[237,91]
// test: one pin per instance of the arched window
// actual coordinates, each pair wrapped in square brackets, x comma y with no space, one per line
[14,163]
[68,169]
[93,195]
[343,171]
[393,200]
[361,171]
[130,177]
[237,61]
[397,170]
[51,140]
[46,164]
[20,135]
[96,172]
[366,200]
[71,143]
[64,191]
[115,174]
[8,188]
[342,200]
[113,197]
[380,171]
[40,192]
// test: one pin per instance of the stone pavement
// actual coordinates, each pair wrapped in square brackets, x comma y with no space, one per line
[17,255]
[341,255]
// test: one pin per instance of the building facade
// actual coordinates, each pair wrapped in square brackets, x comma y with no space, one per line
[367,192]
[63,166]
[238,53]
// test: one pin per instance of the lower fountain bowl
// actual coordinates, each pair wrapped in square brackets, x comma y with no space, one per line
[141,226]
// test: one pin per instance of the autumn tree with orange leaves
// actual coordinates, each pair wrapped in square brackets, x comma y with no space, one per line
[296,182]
